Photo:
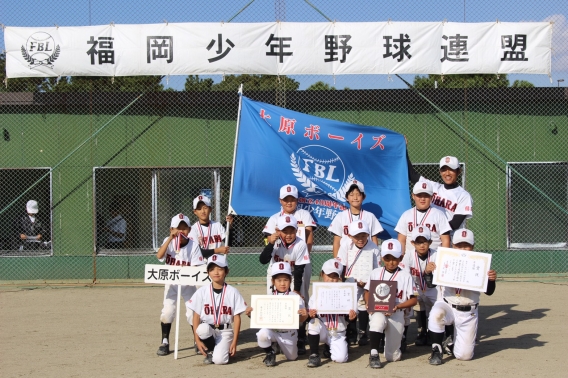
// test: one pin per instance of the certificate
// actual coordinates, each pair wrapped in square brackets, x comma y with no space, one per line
[363,266]
[275,311]
[334,298]
[462,269]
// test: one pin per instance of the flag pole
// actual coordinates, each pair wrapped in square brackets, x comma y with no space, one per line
[230,210]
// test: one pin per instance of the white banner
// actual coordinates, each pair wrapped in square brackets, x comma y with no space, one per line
[176,274]
[280,49]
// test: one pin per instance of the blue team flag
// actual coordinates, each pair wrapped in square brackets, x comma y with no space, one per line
[321,157]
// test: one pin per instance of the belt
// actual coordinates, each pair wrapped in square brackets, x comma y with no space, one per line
[221,326]
[462,308]
[283,330]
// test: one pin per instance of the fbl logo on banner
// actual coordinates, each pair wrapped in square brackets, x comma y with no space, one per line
[320,171]
[40,50]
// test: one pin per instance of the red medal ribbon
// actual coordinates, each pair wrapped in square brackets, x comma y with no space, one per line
[217,310]
[422,279]
[393,275]
[205,243]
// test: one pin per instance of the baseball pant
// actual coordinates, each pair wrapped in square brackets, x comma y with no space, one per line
[223,340]
[286,339]
[337,344]
[170,302]
[424,302]
[465,327]
[393,328]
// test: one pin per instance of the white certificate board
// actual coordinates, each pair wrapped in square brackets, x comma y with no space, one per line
[275,311]
[462,269]
[363,266]
[335,297]
[176,275]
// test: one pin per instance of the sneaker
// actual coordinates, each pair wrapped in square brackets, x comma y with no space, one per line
[352,340]
[435,357]
[314,360]
[403,345]
[363,338]
[448,346]
[209,359]
[301,347]
[163,350]
[382,346]
[421,340]
[270,359]
[374,361]
[326,351]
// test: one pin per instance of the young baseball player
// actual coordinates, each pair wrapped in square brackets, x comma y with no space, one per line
[209,234]
[286,339]
[457,308]
[359,250]
[217,309]
[420,264]
[177,249]
[329,327]
[449,197]
[423,215]
[390,325]
[339,227]
[306,227]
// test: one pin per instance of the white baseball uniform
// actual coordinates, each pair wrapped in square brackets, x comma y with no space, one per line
[415,265]
[190,254]
[451,201]
[351,257]
[304,219]
[287,339]
[392,326]
[434,219]
[208,237]
[465,322]
[217,309]
[296,254]
[340,224]
[331,330]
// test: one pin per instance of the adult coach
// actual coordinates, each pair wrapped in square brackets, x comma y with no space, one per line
[28,228]
[452,199]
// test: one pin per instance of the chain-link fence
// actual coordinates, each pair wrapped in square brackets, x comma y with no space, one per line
[98,153]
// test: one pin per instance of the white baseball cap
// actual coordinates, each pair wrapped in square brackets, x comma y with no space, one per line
[421,231]
[357,227]
[358,184]
[177,219]
[287,221]
[391,247]
[288,190]
[31,207]
[281,267]
[219,260]
[332,266]
[450,161]
[462,235]
[423,187]
[203,199]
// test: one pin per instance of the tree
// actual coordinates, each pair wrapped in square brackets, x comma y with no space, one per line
[194,83]
[462,81]
[522,84]
[250,83]
[320,86]
[26,84]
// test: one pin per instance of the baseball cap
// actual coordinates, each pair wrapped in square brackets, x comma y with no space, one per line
[358,184]
[31,207]
[463,235]
[391,247]
[358,227]
[287,221]
[281,267]
[423,187]
[450,161]
[421,231]
[177,219]
[288,190]
[203,199]
[332,266]
[219,260]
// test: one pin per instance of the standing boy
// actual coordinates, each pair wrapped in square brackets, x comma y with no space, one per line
[177,249]
[207,233]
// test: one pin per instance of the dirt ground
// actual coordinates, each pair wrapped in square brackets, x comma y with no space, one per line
[114,331]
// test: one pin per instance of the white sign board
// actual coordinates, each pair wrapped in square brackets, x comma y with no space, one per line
[462,269]
[176,275]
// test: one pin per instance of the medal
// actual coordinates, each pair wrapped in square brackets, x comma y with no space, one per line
[178,242]
[333,332]
[332,321]
[204,240]
[458,292]
[217,309]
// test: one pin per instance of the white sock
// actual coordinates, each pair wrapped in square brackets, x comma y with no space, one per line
[374,352]
[165,341]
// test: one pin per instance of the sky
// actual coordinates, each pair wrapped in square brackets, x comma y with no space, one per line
[97,12]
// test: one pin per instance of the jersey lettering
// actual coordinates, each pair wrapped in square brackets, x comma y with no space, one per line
[399,296]
[207,310]
[217,238]
[410,226]
[345,230]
